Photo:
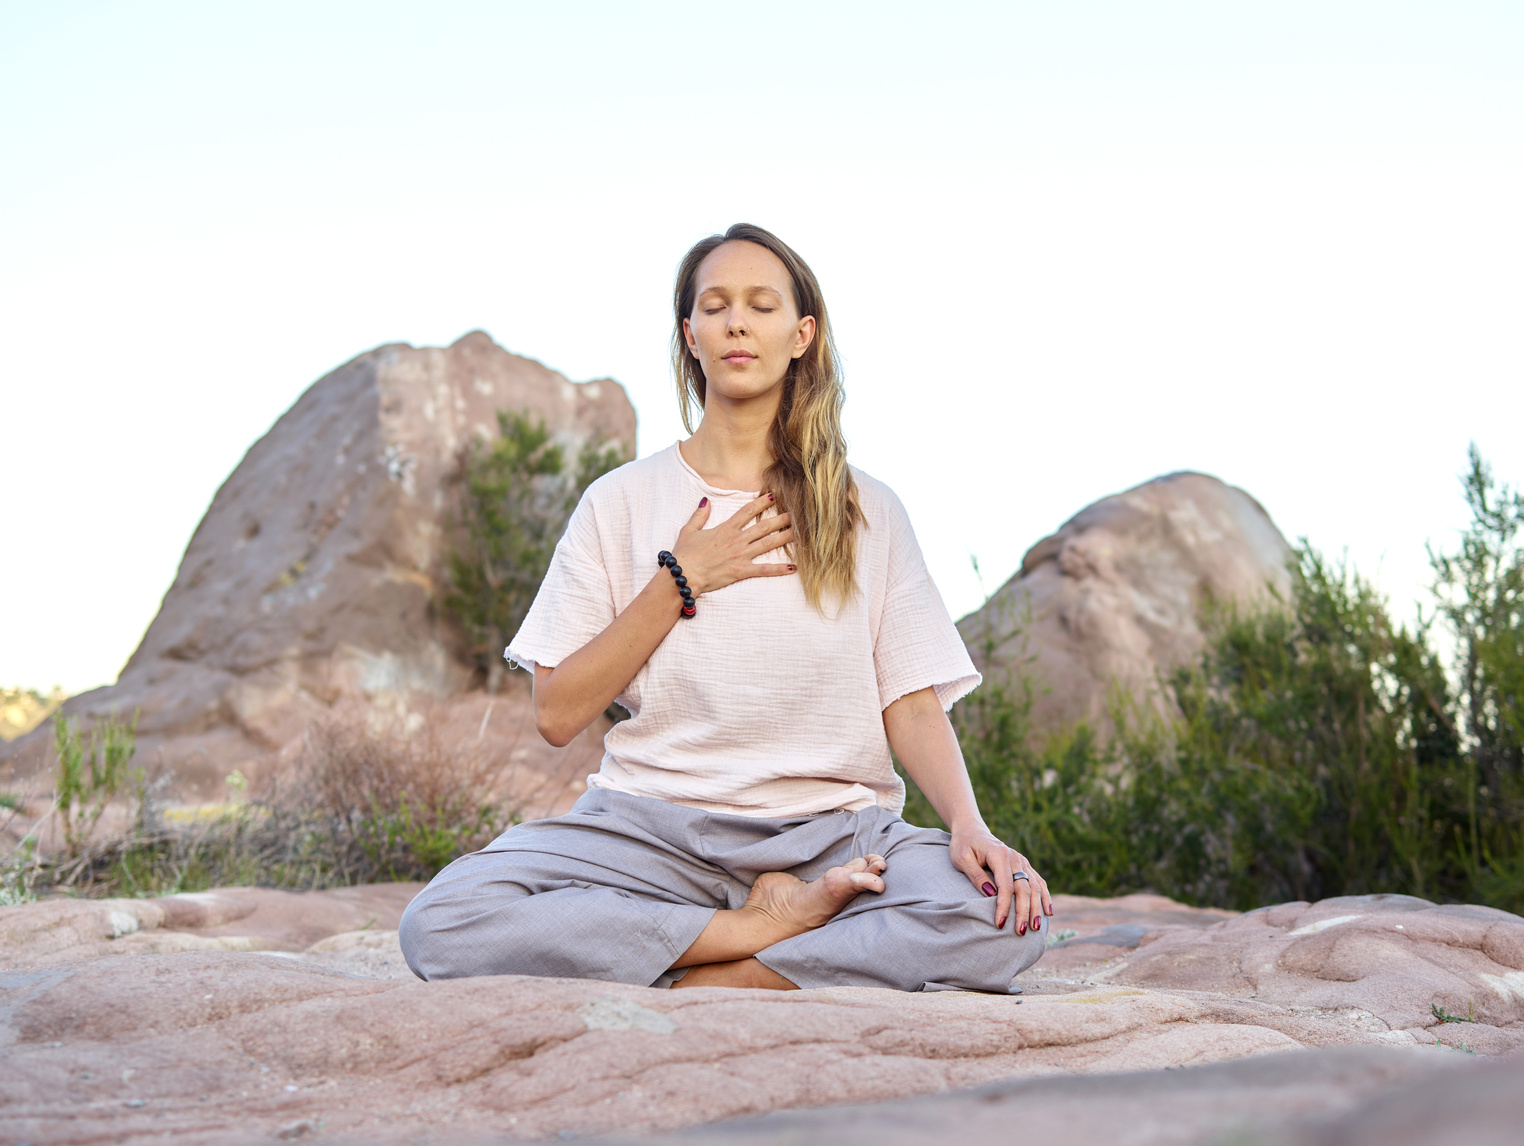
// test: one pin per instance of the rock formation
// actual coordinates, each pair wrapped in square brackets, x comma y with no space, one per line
[312,574]
[250,1015]
[1115,596]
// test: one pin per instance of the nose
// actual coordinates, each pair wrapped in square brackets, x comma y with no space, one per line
[735,321]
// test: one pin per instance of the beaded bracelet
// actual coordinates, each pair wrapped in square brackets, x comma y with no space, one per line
[666,560]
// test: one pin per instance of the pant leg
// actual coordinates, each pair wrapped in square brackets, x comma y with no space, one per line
[930,925]
[595,894]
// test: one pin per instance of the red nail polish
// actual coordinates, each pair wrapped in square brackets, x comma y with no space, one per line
[988,888]
[790,568]
[703,501]
[999,923]
[770,497]
[1022,930]
[1037,924]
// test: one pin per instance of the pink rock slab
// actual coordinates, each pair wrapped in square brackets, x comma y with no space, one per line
[199,1036]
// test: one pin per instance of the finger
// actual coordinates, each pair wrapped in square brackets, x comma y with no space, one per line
[1042,891]
[999,861]
[866,881]
[970,866]
[696,522]
[765,569]
[767,544]
[1022,889]
[767,525]
[752,510]
[876,863]
[1032,896]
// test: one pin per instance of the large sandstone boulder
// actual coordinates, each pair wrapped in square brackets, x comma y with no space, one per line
[1115,597]
[220,1018]
[312,574]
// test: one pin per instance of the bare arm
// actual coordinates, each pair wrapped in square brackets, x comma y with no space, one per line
[923,739]
[569,697]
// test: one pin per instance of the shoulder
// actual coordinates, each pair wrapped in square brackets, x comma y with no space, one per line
[881,505]
[633,480]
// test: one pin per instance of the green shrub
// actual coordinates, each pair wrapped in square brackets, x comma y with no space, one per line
[88,772]
[1316,749]
[516,494]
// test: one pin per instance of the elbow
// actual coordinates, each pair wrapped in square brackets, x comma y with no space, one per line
[555,732]
[554,735]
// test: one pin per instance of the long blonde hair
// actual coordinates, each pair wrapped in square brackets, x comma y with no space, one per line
[810,478]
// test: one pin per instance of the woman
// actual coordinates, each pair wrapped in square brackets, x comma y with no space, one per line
[743,829]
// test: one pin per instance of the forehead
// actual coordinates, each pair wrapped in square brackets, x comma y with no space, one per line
[740,266]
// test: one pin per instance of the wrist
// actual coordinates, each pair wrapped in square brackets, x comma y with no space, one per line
[968,823]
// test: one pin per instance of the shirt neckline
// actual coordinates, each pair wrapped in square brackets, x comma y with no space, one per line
[713,490]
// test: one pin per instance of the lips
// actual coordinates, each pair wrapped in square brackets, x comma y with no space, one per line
[738,356]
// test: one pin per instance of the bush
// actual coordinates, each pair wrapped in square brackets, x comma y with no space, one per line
[88,773]
[1317,748]
[515,497]
[372,797]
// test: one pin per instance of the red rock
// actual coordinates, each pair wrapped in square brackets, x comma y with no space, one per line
[225,1045]
[310,577]
[1115,596]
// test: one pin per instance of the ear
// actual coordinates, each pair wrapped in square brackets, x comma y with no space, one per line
[688,338]
[805,336]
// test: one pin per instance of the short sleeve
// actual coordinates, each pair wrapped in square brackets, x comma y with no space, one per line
[917,645]
[575,601]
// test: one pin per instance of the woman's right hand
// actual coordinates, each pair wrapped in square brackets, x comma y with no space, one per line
[713,558]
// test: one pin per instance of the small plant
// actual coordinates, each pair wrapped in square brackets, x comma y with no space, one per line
[1445,1016]
[9,802]
[88,772]
[1062,935]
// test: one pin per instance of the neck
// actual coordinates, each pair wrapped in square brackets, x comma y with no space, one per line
[729,449]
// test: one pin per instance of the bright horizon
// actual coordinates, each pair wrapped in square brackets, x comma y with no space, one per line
[1064,251]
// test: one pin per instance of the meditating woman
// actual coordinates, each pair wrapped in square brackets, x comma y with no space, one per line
[764,613]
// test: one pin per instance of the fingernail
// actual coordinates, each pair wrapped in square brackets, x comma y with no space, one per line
[770,497]
[703,501]
[1021,929]
[1037,923]
[999,923]
[988,888]
[791,569]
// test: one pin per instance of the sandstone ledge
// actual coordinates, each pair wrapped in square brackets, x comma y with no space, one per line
[333,1036]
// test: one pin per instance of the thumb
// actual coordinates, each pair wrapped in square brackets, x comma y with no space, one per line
[970,866]
[700,515]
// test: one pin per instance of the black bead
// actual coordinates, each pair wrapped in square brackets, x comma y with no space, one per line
[677,570]
[662,558]
[687,593]
[681,581]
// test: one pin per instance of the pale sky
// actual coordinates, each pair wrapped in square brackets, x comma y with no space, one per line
[1066,247]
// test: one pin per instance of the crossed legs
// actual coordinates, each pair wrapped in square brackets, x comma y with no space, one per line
[780,906]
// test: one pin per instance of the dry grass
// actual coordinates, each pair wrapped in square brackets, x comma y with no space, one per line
[373,794]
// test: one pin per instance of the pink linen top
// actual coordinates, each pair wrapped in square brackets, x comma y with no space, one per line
[759,705]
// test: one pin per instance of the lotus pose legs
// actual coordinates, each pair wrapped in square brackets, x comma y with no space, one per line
[779,907]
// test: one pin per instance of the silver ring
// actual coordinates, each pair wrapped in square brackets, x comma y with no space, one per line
[1020,875]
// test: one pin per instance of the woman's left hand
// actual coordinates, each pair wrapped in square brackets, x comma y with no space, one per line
[991,867]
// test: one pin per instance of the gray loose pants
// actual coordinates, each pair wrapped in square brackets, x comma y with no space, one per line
[621,886]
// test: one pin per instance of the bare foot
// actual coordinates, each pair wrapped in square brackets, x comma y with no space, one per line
[793,906]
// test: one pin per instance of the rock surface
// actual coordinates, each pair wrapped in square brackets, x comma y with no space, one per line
[190,1034]
[311,575]
[1115,595]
